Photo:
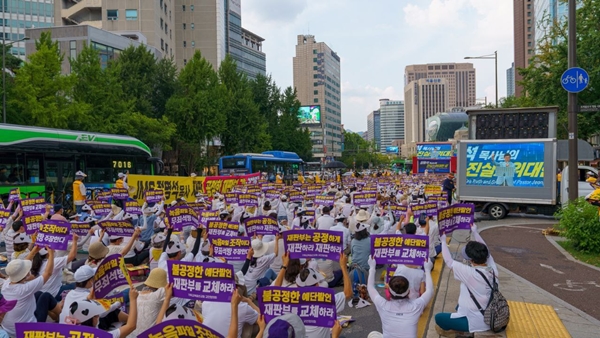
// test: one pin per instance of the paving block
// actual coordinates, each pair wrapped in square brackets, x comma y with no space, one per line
[529,320]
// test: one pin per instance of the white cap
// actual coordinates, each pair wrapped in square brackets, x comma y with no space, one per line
[84,273]
[80,174]
[121,175]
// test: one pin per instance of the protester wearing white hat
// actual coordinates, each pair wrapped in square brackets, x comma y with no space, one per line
[131,249]
[84,278]
[122,181]
[259,264]
[21,245]
[79,191]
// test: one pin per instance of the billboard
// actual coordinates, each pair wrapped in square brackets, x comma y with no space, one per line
[434,166]
[441,151]
[391,150]
[309,115]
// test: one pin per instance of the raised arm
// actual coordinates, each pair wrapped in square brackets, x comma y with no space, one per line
[371,279]
[166,303]
[131,242]
[73,252]
[49,265]
[477,237]
[446,252]
[236,298]
[346,276]
[426,296]
[285,260]
[131,324]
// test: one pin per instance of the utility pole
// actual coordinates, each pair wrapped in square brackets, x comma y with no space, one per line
[572,107]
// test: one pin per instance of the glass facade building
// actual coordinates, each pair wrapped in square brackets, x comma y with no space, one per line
[244,46]
[18,15]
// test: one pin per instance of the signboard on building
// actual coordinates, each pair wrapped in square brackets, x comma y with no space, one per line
[309,115]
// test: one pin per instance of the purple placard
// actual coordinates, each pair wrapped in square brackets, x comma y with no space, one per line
[325,244]
[267,186]
[272,194]
[14,195]
[364,199]
[429,208]
[54,234]
[399,210]
[390,271]
[111,274]
[314,190]
[119,193]
[456,216]
[437,198]
[231,197]
[248,200]
[295,197]
[261,225]
[314,305]
[154,196]
[119,297]
[181,328]
[80,228]
[117,228]
[202,281]
[324,200]
[311,214]
[32,223]
[132,207]
[181,216]
[197,206]
[231,248]
[209,215]
[223,228]
[33,206]
[4,215]
[101,209]
[400,249]
[29,330]
[104,196]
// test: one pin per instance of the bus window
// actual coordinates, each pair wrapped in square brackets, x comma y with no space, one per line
[99,169]
[11,168]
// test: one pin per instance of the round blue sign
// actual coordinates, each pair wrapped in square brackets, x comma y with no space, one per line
[574,80]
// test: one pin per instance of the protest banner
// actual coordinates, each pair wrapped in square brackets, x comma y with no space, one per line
[202,281]
[369,188]
[32,223]
[314,190]
[117,228]
[364,199]
[311,214]
[180,328]
[398,210]
[154,196]
[209,215]
[455,217]
[132,207]
[248,200]
[54,234]
[400,249]
[111,274]
[429,209]
[324,200]
[101,209]
[33,206]
[172,187]
[261,225]
[295,196]
[14,195]
[197,206]
[104,196]
[119,297]
[47,330]
[266,186]
[119,193]
[231,197]
[433,190]
[253,190]
[437,198]
[81,228]
[4,215]
[180,216]
[314,305]
[271,194]
[224,184]
[325,244]
[231,248]
[389,273]
[223,228]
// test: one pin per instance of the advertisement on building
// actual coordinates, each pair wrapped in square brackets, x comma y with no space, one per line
[391,150]
[434,166]
[440,151]
[309,115]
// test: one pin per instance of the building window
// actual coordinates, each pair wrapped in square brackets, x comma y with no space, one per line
[192,25]
[528,6]
[314,59]
[167,48]
[165,9]
[316,100]
[315,76]
[529,44]
[162,23]
[184,62]
[529,29]
[315,67]
[184,8]
[192,8]
[316,92]
[162,44]
[166,28]
[112,14]
[184,44]
[183,26]
[314,51]
[193,43]
[529,21]
[316,84]
[528,36]
[73,49]
[131,14]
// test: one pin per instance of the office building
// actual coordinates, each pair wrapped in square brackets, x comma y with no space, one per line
[18,15]
[460,79]
[392,123]
[423,99]
[510,80]
[244,46]
[374,128]
[546,14]
[524,38]
[317,81]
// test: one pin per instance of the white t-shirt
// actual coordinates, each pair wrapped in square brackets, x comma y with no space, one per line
[54,283]
[73,296]
[346,237]
[257,272]
[434,237]
[327,267]
[414,276]
[325,332]
[217,316]
[473,280]
[397,314]
[24,311]
[20,254]
[148,307]
[325,222]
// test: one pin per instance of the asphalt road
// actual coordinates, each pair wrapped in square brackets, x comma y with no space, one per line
[526,252]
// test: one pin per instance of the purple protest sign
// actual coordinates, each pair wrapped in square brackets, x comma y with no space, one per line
[231,197]
[181,328]
[119,193]
[111,274]
[231,248]
[119,297]
[4,215]
[80,228]
[27,330]
[325,244]
[117,228]
[197,206]
[437,198]
[132,207]
[209,215]
[181,216]
[456,216]
[101,208]
[314,305]
[399,210]
[400,249]
[248,200]
[261,225]
[154,196]
[364,199]
[32,223]
[202,281]
[14,195]
[54,234]
[314,190]
[324,200]
[429,208]
[295,197]
[311,214]
[33,206]
[389,273]
[271,194]
[223,228]
[103,196]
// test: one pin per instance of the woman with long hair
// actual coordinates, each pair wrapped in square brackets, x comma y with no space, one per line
[54,285]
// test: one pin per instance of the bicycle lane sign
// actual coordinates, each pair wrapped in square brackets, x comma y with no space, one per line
[575,80]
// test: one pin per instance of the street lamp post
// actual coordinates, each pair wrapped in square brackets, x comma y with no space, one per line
[4,45]
[489,57]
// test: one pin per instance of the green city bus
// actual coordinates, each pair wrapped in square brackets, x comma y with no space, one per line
[43,161]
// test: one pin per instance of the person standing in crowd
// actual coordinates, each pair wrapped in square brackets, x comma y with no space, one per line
[79,191]
[325,222]
[448,187]
[121,182]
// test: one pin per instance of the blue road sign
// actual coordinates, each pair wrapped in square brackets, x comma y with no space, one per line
[574,80]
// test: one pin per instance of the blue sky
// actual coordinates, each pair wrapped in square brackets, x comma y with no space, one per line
[377,39]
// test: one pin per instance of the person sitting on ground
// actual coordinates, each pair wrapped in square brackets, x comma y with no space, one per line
[22,246]
[128,249]
[54,285]
[150,300]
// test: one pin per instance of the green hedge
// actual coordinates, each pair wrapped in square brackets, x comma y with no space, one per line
[580,224]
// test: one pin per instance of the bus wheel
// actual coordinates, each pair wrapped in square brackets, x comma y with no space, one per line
[497,211]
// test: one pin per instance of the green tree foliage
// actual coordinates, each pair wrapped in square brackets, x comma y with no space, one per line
[12,62]
[288,134]
[579,221]
[541,79]
[138,72]
[360,154]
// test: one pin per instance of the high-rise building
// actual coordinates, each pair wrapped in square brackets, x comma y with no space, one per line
[546,14]
[423,99]
[392,123]
[317,81]
[524,38]
[18,15]
[510,80]
[460,79]
[374,128]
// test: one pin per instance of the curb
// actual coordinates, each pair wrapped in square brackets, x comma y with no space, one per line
[568,255]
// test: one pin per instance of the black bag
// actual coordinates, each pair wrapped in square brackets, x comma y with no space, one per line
[497,312]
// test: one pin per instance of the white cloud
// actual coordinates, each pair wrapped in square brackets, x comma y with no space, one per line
[438,13]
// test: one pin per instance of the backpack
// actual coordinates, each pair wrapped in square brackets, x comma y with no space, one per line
[497,312]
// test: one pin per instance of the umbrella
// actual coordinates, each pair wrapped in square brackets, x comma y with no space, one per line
[335,165]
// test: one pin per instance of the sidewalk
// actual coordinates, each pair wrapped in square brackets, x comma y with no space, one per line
[515,288]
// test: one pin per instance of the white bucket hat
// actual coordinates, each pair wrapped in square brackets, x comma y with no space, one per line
[259,248]
[18,269]
[362,216]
